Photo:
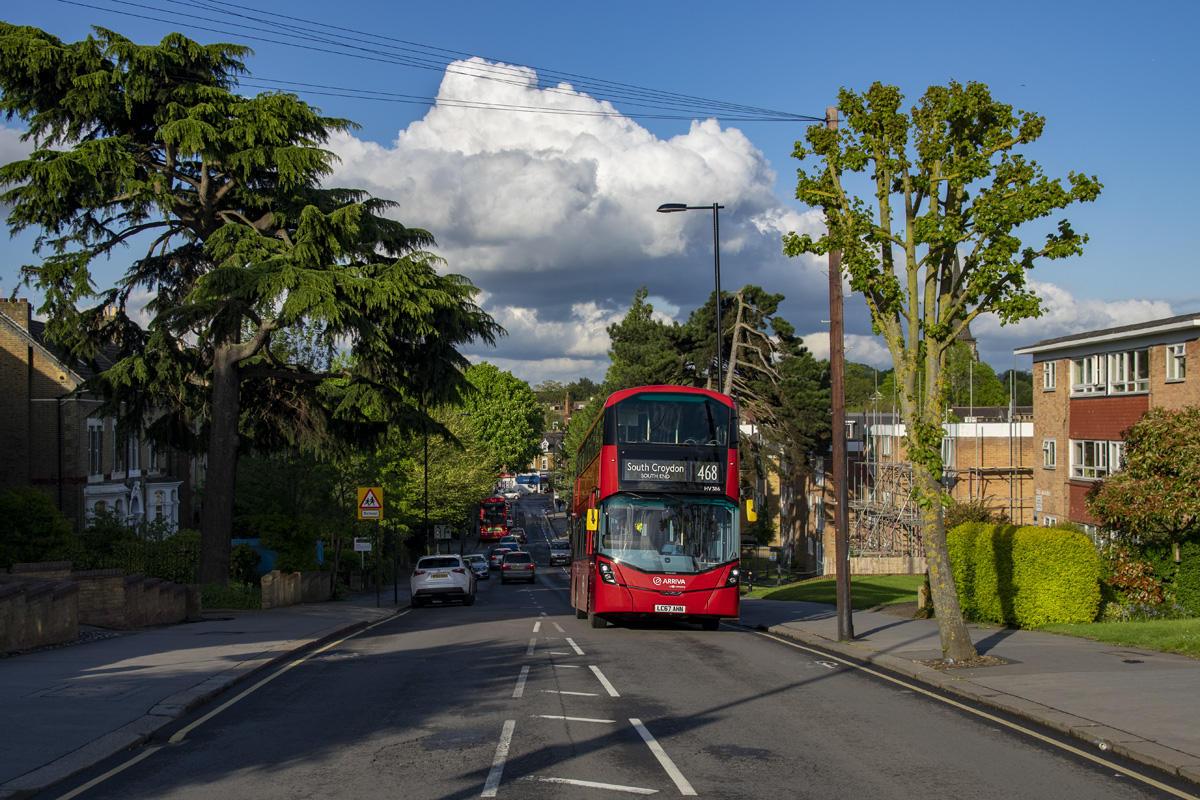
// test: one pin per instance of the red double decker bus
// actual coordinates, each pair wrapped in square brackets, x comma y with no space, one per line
[493,519]
[655,528]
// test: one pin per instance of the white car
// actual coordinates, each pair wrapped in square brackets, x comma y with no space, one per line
[442,579]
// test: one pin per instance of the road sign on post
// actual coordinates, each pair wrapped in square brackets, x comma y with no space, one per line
[370,502]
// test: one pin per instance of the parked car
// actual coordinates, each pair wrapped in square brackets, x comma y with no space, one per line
[560,552]
[496,555]
[479,563]
[442,579]
[517,566]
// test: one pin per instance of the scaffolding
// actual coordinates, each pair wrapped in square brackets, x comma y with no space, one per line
[884,519]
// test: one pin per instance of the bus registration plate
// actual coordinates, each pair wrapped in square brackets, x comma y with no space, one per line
[670,609]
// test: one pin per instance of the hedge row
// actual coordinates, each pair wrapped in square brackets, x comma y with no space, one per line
[1027,577]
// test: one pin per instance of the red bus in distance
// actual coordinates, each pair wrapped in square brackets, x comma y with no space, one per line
[656,517]
[493,519]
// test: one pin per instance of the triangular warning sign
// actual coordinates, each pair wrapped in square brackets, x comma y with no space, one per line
[369,500]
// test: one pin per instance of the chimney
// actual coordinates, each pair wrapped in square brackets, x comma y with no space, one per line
[19,311]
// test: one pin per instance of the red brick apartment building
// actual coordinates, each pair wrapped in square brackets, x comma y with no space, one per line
[1094,386]
[51,439]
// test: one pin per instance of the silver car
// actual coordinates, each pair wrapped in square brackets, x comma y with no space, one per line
[479,563]
[442,579]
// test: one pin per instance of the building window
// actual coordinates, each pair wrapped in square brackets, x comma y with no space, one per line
[850,429]
[819,471]
[1087,375]
[151,456]
[1049,522]
[545,463]
[1048,376]
[885,446]
[1095,459]
[1129,372]
[134,459]
[118,454]
[817,503]
[1176,362]
[1049,454]
[947,451]
[95,447]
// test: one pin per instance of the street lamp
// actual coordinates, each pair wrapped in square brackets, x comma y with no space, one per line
[668,208]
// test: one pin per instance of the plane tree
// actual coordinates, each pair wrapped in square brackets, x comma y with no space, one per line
[935,244]
[218,195]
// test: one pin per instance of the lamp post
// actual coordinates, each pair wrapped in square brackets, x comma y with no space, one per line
[668,208]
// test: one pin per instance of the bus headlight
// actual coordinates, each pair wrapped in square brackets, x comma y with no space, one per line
[606,573]
[732,579]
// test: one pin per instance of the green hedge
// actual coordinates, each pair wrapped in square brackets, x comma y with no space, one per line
[1181,580]
[1026,577]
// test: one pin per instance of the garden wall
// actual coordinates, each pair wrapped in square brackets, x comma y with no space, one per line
[292,588]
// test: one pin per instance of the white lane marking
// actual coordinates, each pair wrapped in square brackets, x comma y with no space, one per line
[1116,768]
[558,627]
[532,644]
[664,759]
[574,719]
[591,784]
[574,646]
[828,664]
[520,690]
[573,694]
[559,653]
[493,778]
[612,692]
[567,666]
[537,626]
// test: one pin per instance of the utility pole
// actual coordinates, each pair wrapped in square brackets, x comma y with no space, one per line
[837,374]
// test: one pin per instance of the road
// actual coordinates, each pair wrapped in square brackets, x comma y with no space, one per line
[515,698]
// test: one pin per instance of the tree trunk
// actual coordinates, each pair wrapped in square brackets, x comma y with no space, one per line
[956,641]
[216,521]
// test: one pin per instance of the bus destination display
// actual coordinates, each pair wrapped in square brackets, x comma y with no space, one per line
[702,475]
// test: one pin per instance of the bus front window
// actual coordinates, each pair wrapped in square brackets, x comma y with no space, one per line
[670,536]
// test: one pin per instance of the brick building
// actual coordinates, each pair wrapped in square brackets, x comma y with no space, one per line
[1094,386]
[52,440]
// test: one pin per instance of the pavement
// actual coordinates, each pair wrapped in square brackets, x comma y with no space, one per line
[69,708]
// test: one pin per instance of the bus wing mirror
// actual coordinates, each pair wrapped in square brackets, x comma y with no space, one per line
[593,519]
[751,514]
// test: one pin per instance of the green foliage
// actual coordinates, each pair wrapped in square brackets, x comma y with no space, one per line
[236,595]
[645,351]
[1181,580]
[1023,381]
[243,564]
[970,382]
[1153,496]
[961,541]
[1032,576]
[31,528]
[505,416]
[972,511]
[148,548]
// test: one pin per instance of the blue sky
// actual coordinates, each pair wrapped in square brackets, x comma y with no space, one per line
[552,216]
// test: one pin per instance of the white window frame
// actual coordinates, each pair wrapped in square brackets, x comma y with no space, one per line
[1087,375]
[1049,376]
[1176,362]
[819,471]
[885,446]
[948,451]
[1129,372]
[119,451]
[1049,454]
[1094,459]
[1049,522]
[133,456]
[816,502]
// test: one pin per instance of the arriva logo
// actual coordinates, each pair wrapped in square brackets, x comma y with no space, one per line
[660,581]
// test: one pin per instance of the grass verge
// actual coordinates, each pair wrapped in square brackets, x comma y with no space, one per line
[866,591]
[1166,635]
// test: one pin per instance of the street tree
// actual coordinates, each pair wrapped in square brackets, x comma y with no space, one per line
[506,416]
[154,147]
[645,351]
[934,247]
[1154,495]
